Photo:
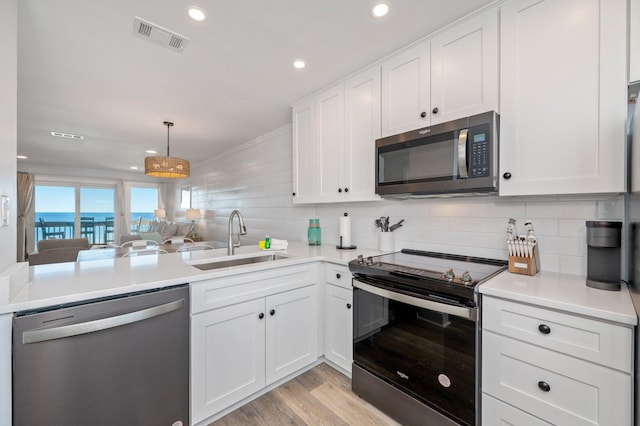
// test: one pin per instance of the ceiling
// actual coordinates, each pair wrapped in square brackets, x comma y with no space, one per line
[82,71]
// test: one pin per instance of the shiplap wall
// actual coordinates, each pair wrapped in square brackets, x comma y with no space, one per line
[256,178]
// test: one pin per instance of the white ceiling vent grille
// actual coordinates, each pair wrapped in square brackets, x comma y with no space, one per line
[67,135]
[159,35]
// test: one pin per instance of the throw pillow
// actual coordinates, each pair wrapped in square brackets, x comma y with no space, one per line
[153,236]
[169,230]
[184,229]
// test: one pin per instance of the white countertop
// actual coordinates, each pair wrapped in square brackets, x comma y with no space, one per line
[563,292]
[70,282]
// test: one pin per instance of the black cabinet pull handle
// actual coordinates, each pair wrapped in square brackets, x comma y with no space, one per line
[260,315]
[294,194]
[423,114]
[338,276]
[544,386]
[339,189]
[435,110]
[544,329]
[346,190]
[272,312]
[507,175]
[348,305]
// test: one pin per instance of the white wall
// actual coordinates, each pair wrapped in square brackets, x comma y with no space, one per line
[8,125]
[256,178]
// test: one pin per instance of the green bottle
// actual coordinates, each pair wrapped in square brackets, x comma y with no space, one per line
[314,233]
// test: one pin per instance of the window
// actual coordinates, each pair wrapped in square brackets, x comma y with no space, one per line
[143,203]
[185,197]
[74,211]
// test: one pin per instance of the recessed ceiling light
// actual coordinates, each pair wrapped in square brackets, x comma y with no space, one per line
[67,135]
[380,9]
[299,64]
[21,157]
[150,151]
[134,167]
[197,14]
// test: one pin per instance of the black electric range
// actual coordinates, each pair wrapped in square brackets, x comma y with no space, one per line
[429,274]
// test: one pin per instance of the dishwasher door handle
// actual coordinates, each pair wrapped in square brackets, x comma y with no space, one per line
[34,336]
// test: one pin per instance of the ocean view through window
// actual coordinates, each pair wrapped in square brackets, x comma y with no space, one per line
[80,211]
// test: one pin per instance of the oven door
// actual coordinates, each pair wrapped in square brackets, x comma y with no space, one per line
[424,348]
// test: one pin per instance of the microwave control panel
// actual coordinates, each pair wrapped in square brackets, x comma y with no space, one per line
[479,152]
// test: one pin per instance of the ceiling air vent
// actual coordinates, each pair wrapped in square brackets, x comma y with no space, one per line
[159,35]
[67,135]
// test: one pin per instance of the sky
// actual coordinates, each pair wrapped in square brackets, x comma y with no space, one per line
[95,200]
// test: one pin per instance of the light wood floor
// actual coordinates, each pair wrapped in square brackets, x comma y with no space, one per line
[321,396]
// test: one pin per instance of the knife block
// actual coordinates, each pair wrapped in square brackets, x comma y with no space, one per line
[525,265]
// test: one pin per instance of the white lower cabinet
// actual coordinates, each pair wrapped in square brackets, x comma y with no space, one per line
[239,348]
[553,369]
[338,316]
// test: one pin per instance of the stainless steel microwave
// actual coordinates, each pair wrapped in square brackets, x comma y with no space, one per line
[458,157]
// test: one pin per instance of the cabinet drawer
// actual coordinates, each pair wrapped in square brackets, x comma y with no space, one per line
[337,275]
[554,387]
[496,412]
[213,294]
[592,340]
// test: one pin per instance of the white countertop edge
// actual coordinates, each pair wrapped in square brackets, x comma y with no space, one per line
[567,293]
[178,268]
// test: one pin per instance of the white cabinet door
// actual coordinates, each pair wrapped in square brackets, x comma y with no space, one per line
[304,152]
[362,128]
[634,40]
[330,143]
[338,326]
[562,96]
[464,69]
[227,356]
[495,412]
[552,386]
[405,91]
[292,332]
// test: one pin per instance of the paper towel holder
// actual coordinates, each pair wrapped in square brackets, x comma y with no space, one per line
[340,246]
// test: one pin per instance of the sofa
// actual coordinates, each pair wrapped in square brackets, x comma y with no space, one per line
[159,232]
[58,250]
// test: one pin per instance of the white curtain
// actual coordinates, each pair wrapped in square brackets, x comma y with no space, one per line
[121,221]
[25,212]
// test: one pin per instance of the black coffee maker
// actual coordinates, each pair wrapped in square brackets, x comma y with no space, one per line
[603,254]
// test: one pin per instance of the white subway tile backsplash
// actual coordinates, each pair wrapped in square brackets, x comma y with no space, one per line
[256,178]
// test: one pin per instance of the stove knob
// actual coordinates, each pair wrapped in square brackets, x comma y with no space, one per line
[449,275]
[465,278]
[360,259]
[369,261]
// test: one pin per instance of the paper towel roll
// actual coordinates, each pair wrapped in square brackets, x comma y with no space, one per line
[345,231]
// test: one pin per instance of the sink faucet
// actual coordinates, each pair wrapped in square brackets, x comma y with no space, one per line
[243,230]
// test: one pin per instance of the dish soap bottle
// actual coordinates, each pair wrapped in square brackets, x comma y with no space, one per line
[267,242]
[314,233]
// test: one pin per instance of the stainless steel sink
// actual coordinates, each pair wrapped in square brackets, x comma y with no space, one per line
[217,264]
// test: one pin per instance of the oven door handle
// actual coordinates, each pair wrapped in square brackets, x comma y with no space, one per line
[459,311]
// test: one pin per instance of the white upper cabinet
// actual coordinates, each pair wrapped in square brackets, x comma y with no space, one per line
[304,136]
[451,76]
[562,96]
[634,40]
[362,128]
[334,142]
[464,69]
[330,141]
[405,91]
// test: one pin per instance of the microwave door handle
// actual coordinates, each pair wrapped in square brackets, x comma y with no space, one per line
[462,154]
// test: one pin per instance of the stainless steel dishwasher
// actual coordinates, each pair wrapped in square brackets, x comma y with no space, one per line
[112,361]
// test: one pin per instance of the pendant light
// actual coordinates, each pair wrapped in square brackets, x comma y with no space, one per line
[167,167]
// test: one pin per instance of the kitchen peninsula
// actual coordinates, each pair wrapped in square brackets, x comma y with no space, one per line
[318,271]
